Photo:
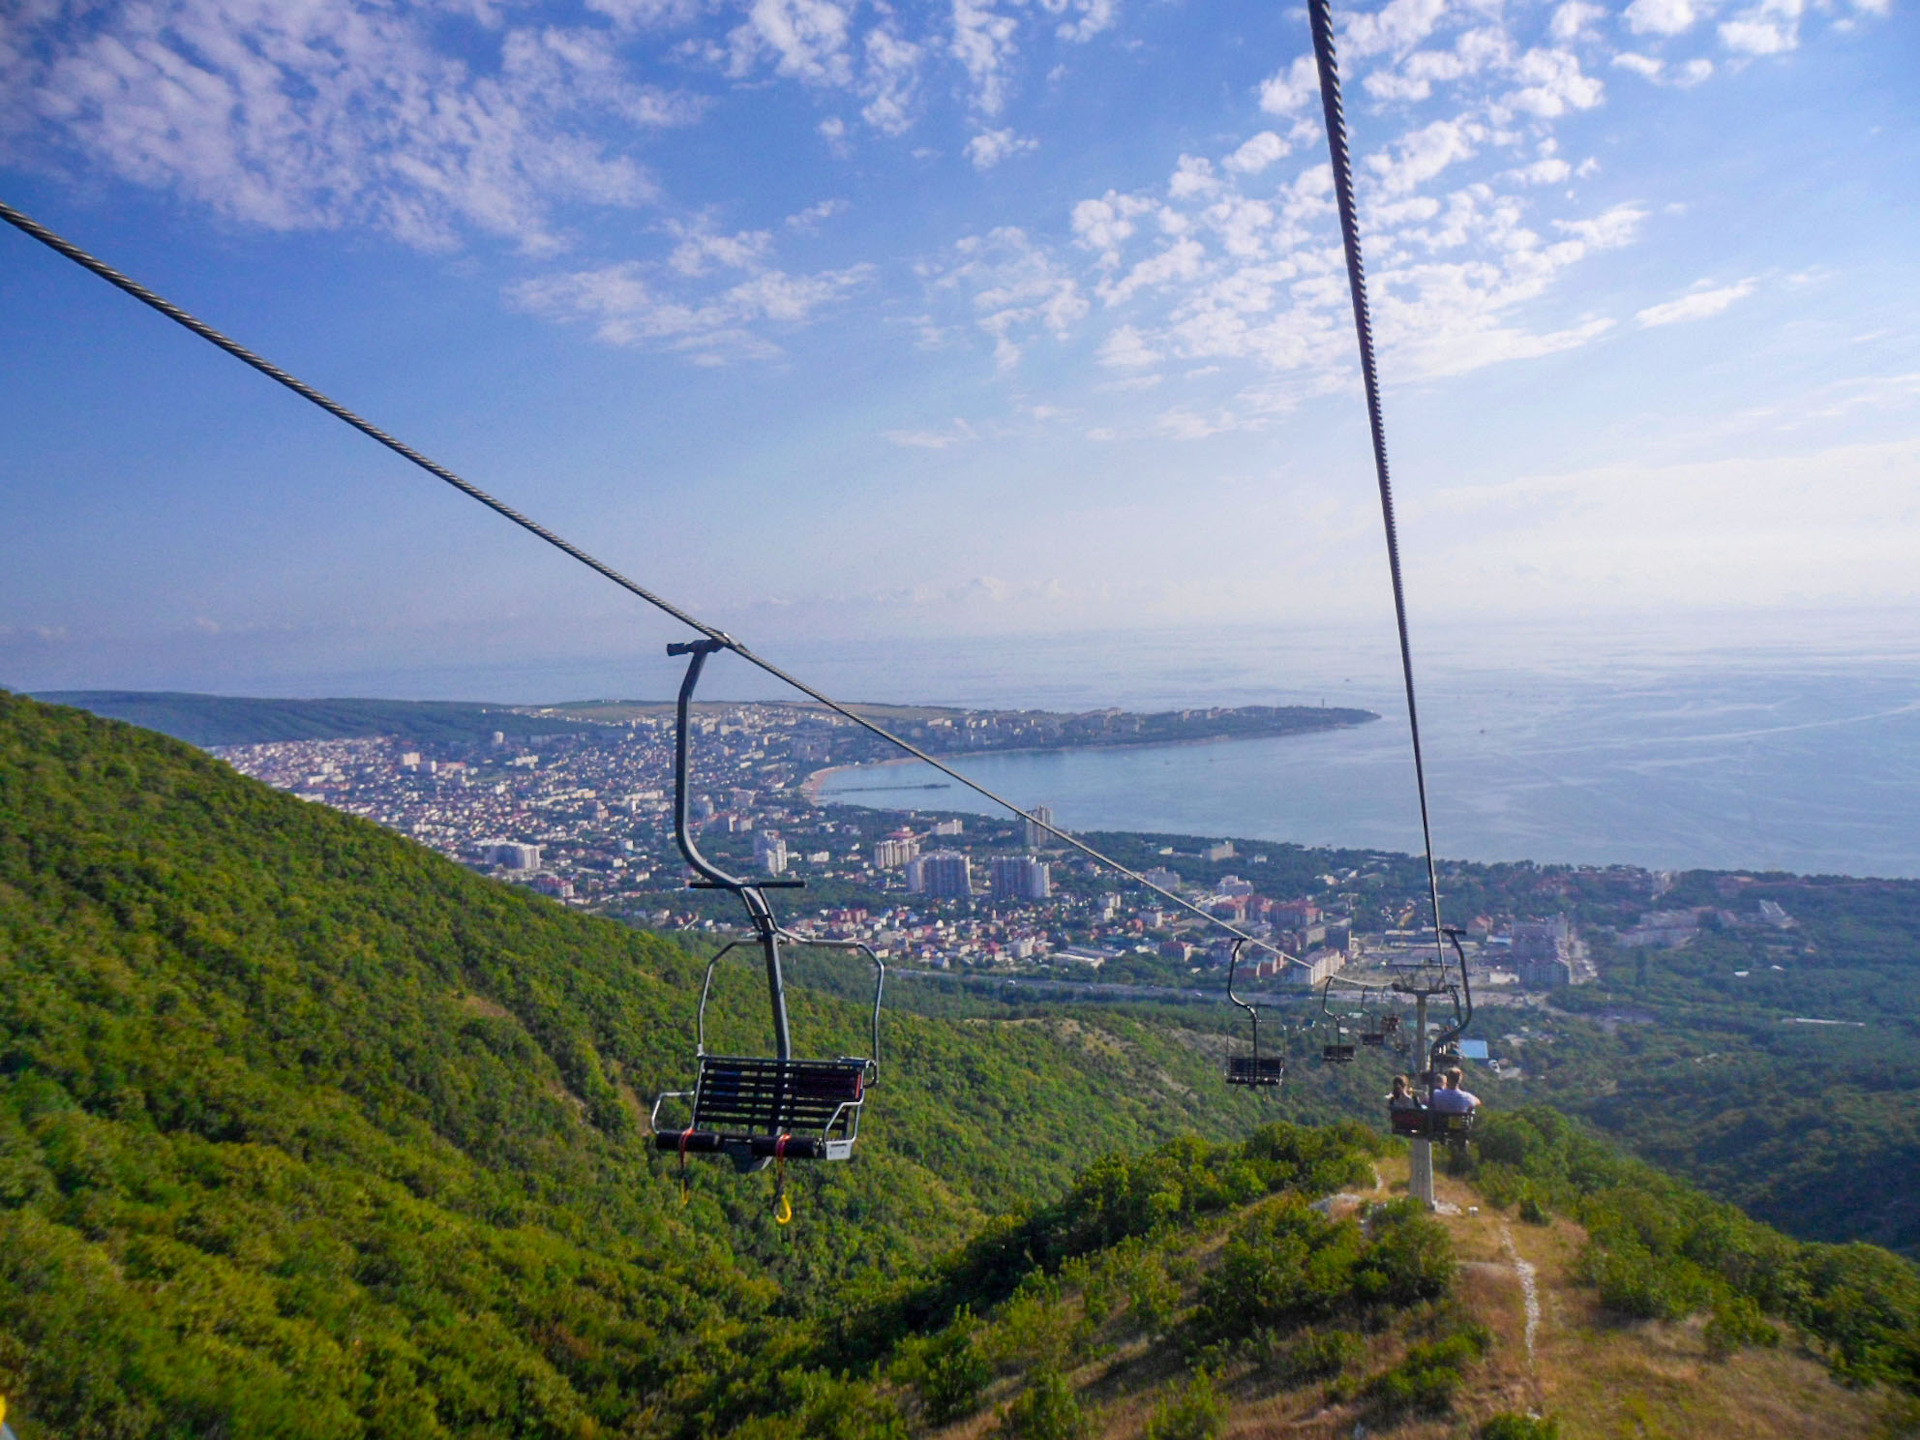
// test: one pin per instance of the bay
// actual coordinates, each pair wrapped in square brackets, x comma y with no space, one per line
[1755,767]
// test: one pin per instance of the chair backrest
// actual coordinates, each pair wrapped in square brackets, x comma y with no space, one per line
[751,1094]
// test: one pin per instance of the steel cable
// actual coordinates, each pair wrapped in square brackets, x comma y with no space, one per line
[63,246]
[1320,15]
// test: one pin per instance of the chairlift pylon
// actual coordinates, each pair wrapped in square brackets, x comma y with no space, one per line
[758,1110]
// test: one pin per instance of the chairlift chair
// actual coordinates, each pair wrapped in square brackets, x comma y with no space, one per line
[1339,1050]
[1254,1069]
[1373,1030]
[757,1109]
[1444,1126]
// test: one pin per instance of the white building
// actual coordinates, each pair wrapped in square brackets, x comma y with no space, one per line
[770,852]
[1038,838]
[946,875]
[510,854]
[1019,877]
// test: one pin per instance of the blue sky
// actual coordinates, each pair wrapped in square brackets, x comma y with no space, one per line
[842,321]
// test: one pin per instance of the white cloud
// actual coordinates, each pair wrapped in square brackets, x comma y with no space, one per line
[990,147]
[1289,90]
[810,218]
[634,304]
[1127,349]
[1550,171]
[1397,26]
[1015,287]
[1095,16]
[1193,175]
[1660,17]
[1647,66]
[892,78]
[807,39]
[1573,19]
[1759,36]
[1552,84]
[323,116]
[1108,223]
[958,433]
[1257,154]
[983,42]
[1423,154]
[1700,303]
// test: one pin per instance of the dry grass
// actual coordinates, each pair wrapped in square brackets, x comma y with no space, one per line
[1604,1380]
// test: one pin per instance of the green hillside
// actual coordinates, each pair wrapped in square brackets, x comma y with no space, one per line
[242,720]
[305,1131]
[307,1124]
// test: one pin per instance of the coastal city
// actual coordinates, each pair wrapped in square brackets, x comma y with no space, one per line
[583,814]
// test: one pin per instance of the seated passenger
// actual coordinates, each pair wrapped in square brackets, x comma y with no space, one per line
[1450,1099]
[1403,1097]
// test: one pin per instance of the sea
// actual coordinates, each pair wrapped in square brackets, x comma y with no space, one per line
[1800,756]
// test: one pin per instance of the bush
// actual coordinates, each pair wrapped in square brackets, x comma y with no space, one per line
[1410,1259]
[1195,1412]
[1737,1324]
[1046,1410]
[1520,1427]
[1431,1375]
[948,1371]
[1318,1355]
[1532,1211]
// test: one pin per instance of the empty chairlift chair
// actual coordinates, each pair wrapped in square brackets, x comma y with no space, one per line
[1339,1049]
[758,1108]
[1255,1069]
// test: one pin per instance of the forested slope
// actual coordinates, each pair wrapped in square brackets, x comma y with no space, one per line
[301,1123]
[305,1131]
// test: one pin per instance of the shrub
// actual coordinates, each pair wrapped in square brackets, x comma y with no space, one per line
[1318,1355]
[1737,1324]
[1046,1410]
[1410,1259]
[1511,1426]
[948,1371]
[1193,1412]
[1532,1211]
[1430,1375]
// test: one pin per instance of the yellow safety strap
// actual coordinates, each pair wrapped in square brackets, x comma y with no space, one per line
[782,1207]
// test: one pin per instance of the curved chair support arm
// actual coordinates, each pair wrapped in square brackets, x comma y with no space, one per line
[879,986]
[1462,1019]
[1253,1011]
[697,652]
[706,987]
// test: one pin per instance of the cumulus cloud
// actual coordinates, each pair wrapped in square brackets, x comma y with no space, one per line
[1257,154]
[990,147]
[1660,17]
[1015,287]
[1289,90]
[1702,302]
[323,116]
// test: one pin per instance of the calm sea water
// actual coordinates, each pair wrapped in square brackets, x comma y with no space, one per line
[1733,762]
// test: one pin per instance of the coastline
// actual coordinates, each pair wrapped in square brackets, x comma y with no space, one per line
[810,787]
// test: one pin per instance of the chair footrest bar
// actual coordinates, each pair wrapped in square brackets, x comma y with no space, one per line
[760,1147]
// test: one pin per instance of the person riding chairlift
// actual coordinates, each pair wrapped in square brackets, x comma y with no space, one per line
[1450,1099]
[1403,1097]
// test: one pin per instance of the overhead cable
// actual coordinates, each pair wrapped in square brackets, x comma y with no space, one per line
[1320,14]
[58,243]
